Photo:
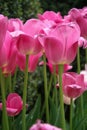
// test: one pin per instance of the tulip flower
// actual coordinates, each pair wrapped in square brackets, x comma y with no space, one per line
[73,84]
[80,16]
[14,24]
[43,126]
[51,15]
[3,28]
[27,39]
[13,104]
[59,45]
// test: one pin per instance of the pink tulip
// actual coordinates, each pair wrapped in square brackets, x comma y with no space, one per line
[51,15]
[3,28]
[59,45]
[4,51]
[27,40]
[14,24]
[43,126]
[80,16]
[13,104]
[73,84]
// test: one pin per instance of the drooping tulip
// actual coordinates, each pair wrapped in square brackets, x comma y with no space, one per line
[13,104]
[73,84]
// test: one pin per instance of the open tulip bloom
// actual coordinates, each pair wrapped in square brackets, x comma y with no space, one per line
[59,45]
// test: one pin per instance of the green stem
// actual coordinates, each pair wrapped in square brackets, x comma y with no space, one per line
[5,117]
[71,113]
[10,84]
[24,95]
[55,89]
[46,90]
[14,79]
[60,68]
[86,55]
[50,85]
[81,97]
[78,61]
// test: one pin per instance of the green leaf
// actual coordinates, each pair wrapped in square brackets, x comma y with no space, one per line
[17,122]
[34,114]
[54,113]
[80,123]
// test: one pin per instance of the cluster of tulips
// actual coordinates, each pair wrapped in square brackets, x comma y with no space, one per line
[55,38]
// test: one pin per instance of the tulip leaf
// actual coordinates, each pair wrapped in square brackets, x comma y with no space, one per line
[54,113]
[34,114]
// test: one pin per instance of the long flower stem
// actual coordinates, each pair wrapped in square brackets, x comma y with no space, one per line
[81,97]
[60,68]
[55,89]
[14,79]
[71,113]
[24,95]
[78,61]
[46,90]
[86,55]
[10,84]
[5,117]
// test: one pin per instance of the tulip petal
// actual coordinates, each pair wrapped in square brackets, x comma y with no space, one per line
[73,91]
[25,44]
[14,101]
[53,50]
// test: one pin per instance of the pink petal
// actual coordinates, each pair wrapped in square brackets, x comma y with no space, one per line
[15,24]
[14,101]
[33,61]
[68,79]
[53,49]
[50,15]
[3,29]
[11,111]
[32,27]
[25,44]
[43,126]
[71,53]
[4,51]
[73,91]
